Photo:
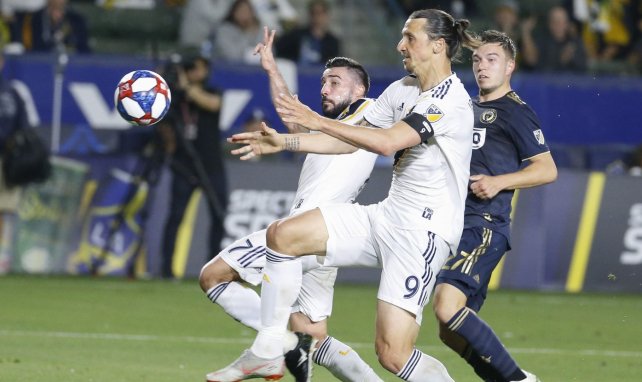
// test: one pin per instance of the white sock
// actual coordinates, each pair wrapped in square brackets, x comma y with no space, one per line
[241,303]
[343,362]
[422,367]
[290,340]
[280,288]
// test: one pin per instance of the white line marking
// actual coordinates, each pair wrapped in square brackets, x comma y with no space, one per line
[358,345]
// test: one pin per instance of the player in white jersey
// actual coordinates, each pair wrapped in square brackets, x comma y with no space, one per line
[323,179]
[411,232]
[395,102]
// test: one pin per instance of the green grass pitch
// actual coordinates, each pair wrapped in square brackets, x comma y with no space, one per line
[65,329]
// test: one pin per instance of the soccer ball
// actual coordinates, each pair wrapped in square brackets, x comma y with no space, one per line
[142,97]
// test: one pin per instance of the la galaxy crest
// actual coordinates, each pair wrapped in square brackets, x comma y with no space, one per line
[433,114]
[488,116]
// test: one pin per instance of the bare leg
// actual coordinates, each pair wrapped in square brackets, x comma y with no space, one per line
[397,332]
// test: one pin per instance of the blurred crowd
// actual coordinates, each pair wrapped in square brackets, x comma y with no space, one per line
[223,29]
[558,35]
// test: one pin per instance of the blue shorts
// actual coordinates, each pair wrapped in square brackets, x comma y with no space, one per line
[479,252]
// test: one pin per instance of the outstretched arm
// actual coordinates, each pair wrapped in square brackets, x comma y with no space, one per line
[269,141]
[277,82]
[540,170]
[380,141]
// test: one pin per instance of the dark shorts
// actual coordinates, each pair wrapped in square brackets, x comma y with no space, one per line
[479,252]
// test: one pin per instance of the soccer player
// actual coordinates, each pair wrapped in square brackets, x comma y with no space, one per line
[410,233]
[324,179]
[509,153]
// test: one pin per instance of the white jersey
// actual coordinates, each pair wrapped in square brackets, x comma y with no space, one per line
[430,180]
[329,179]
[394,103]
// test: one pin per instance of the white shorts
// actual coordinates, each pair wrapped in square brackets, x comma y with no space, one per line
[411,259]
[247,257]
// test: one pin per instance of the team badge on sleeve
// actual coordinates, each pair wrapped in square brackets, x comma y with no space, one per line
[539,136]
[433,114]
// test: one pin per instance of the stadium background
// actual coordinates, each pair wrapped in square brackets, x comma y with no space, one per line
[581,234]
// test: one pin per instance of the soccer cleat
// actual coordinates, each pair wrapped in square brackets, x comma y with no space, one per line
[249,366]
[299,360]
[530,377]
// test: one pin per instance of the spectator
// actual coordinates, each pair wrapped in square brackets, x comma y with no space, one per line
[275,14]
[5,35]
[239,33]
[635,164]
[457,8]
[191,135]
[506,19]
[312,43]
[13,116]
[55,25]
[199,17]
[608,27]
[559,48]
[631,164]
[635,55]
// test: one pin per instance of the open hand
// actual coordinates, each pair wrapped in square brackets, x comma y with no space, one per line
[291,110]
[257,143]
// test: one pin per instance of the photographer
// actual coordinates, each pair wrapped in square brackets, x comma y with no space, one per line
[13,116]
[191,136]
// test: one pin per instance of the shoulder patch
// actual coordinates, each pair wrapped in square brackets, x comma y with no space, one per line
[539,136]
[512,95]
[433,114]
[488,116]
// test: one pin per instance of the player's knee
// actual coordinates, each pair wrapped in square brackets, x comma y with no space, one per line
[389,357]
[277,237]
[216,271]
[445,308]
[299,322]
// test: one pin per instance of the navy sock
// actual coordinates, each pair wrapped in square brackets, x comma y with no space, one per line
[481,368]
[485,343]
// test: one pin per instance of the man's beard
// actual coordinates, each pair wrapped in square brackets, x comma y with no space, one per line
[336,110]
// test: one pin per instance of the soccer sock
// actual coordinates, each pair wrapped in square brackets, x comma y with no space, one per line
[485,343]
[280,288]
[343,362]
[481,368]
[241,303]
[422,367]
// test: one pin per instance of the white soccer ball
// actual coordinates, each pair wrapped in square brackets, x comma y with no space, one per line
[142,97]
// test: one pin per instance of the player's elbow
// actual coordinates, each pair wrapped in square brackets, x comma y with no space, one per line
[385,148]
[552,176]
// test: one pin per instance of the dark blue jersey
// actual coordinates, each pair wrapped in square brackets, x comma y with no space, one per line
[506,133]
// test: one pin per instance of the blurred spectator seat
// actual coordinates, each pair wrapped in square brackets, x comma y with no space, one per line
[567,156]
[137,31]
[601,156]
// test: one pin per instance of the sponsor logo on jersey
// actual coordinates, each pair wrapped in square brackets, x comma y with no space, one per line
[539,136]
[427,214]
[433,114]
[488,116]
